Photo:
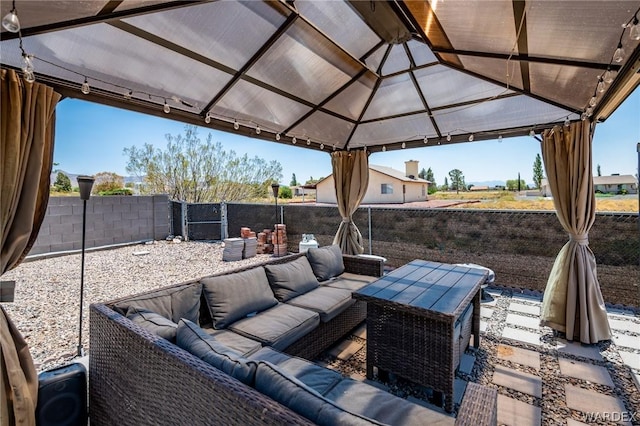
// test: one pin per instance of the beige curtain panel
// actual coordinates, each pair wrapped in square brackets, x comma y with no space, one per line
[351,179]
[26,157]
[572,301]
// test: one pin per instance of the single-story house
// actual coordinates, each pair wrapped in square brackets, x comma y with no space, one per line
[303,190]
[386,186]
[613,184]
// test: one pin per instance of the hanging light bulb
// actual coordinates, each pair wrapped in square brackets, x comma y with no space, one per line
[334,147]
[128,94]
[166,108]
[592,101]
[207,118]
[10,22]
[448,137]
[321,146]
[29,77]
[589,111]
[439,142]
[532,133]
[294,140]
[27,63]
[567,122]
[608,77]
[618,55]
[384,148]
[85,87]
[404,145]
[258,130]
[308,141]
[277,136]
[236,125]
[499,138]
[583,116]
[425,140]
[634,31]
[600,87]
[471,138]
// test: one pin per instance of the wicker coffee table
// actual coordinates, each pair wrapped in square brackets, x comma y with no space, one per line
[418,322]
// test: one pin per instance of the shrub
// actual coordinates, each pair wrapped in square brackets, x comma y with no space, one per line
[285,192]
[119,191]
[62,183]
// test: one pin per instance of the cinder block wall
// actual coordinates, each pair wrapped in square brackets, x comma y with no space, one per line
[110,220]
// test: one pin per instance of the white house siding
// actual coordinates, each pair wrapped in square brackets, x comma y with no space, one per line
[325,191]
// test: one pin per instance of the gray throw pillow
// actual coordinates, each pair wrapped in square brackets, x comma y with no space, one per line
[326,262]
[291,279]
[234,296]
[198,342]
[153,322]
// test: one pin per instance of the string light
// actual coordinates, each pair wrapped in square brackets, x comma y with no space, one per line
[618,55]
[532,133]
[608,76]
[258,130]
[128,94]
[166,108]
[277,136]
[384,148]
[634,30]
[85,87]
[600,87]
[567,123]
[236,125]
[207,118]
[27,68]
[10,22]
[404,145]
[592,101]
[321,146]
[334,147]
[471,137]
[294,140]
[499,138]
[308,141]
[448,137]
[425,140]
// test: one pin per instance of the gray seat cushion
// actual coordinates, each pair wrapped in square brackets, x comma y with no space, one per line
[242,345]
[234,296]
[153,322]
[275,383]
[326,301]
[198,342]
[326,262]
[317,378]
[291,279]
[349,281]
[279,326]
[374,403]
[171,303]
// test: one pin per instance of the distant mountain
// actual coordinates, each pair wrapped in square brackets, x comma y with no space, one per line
[489,183]
[74,181]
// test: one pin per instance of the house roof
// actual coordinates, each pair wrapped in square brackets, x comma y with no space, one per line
[396,174]
[606,180]
[614,180]
[337,74]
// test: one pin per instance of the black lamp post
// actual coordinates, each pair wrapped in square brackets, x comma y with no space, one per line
[276,188]
[85,183]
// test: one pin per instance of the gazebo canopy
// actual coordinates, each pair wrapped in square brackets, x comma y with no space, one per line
[338,74]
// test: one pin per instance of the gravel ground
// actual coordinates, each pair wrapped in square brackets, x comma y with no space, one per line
[46,305]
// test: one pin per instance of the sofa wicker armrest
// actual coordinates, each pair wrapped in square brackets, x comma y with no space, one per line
[139,378]
[363,265]
[479,406]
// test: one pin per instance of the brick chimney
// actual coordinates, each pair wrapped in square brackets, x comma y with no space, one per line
[411,168]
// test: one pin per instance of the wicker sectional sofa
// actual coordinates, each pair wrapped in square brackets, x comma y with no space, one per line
[233,349]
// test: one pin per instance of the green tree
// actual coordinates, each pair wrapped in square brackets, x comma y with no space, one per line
[537,172]
[433,187]
[190,169]
[423,174]
[107,182]
[598,170]
[446,184]
[294,182]
[457,180]
[62,183]
[512,184]
[312,181]
[285,192]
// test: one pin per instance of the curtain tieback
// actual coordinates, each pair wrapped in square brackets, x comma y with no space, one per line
[581,239]
[346,220]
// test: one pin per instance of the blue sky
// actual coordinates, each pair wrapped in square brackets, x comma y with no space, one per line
[90,139]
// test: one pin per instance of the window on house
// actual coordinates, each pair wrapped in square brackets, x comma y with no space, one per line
[386,188]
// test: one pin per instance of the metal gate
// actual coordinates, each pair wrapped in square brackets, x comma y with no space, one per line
[202,221]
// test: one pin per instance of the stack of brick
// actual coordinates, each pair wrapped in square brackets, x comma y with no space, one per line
[250,242]
[279,240]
